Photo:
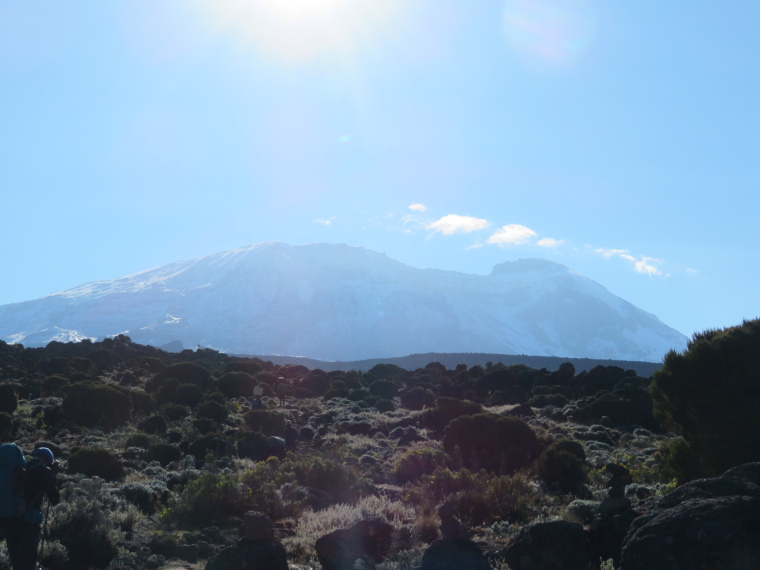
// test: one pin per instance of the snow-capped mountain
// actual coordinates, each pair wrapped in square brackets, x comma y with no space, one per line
[335,302]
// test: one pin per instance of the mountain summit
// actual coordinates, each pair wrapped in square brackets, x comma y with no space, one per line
[336,302]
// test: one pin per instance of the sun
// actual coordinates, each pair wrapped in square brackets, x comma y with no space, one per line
[301,30]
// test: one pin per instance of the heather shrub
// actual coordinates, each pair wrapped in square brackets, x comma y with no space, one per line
[153,425]
[316,382]
[173,412]
[213,443]
[188,395]
[416,462]
[333,476]
[252,444]
[142,402]
[709,394]
[417,398]
[138,439]
[55,385]
[186,373]
[6,427]
[445,410]
[236,384]
[164,453]
[268,422]
[212,410]
[152,364]
[495,443]
[250,366]
[8,399]
[383,405]
[207,500]
[96,461]
[384,389]
[562,465]
[90,404]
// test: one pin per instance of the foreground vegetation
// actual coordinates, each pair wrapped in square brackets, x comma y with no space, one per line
[165,454]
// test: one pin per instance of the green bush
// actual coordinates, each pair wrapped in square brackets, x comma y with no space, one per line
[236,384]
[164,453]
[417,398]
[186,373]
[188,395]
[384,405]
[212,410]
[96,462]
[90,404]
[709,394]
[417,462]
[384,388]
[8,399]
[446,409]
[250,366]
[55,385]
[560,465]
[173,412]
[208,500]
[138,439]
[496,443]
[268,422]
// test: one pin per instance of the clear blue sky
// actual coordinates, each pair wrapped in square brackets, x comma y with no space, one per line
[621,139]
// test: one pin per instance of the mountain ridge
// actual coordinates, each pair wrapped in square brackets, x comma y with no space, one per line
[335,302]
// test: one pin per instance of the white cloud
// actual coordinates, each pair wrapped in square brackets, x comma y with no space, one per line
[417,207]
[513,234]
[325,221]
[454,223]
[549,242]
[641,264]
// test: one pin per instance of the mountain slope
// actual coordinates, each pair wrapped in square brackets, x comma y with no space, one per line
[335,302]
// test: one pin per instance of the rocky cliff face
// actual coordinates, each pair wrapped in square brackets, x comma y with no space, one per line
[335,302]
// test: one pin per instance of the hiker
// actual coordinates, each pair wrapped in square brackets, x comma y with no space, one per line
[282,388]
[290,435]
[40,481]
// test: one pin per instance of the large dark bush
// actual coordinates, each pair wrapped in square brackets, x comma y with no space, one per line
[164,453]
[236,384]
[8,399]
[96,461]
[384,388]
[188,395]
[446,409]
[91,404]
[417,398]
[268,422]
[502,444]
[710,394]
[186,373]
[212,410]
[562,465]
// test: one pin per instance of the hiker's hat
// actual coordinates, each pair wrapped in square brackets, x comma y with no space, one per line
[44,453]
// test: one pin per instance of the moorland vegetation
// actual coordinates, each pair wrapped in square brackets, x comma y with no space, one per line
[164,453]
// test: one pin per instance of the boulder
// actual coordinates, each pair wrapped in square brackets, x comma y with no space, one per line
[708,523]
[554,545]
[454,554]
[367,539]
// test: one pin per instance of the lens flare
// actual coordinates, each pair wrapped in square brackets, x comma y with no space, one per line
[554,31]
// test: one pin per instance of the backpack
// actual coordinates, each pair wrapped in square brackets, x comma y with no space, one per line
[12,464]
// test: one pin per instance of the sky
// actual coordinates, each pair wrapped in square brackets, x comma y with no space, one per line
[620,139]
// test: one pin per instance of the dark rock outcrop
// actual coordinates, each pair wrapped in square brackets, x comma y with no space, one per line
[555,545]
[705,524]
[367,539]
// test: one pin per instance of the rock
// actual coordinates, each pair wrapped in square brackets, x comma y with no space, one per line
[258,526]
[708,523]
[454,554]
[555,545]
[366,539]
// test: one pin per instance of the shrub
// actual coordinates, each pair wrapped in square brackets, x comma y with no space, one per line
[252,444]
[417,462]
[709,393]
[417,398]
[250,366]
[55,385]
[316,382]
[211,498]
[186,373]
[384,405]
[91,404]
[96,462]
[446,409]
[384,388]
[174,412]
[236,384]
[495,443]
[327,474]
[152,364]
[142,402]
[188,395]
[268,422]
[212,410]
[153,424]
[562,466]
[138,439]
[8,399]
[164,453]
[6,426]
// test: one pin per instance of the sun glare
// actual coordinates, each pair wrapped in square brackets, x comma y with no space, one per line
[301,30]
